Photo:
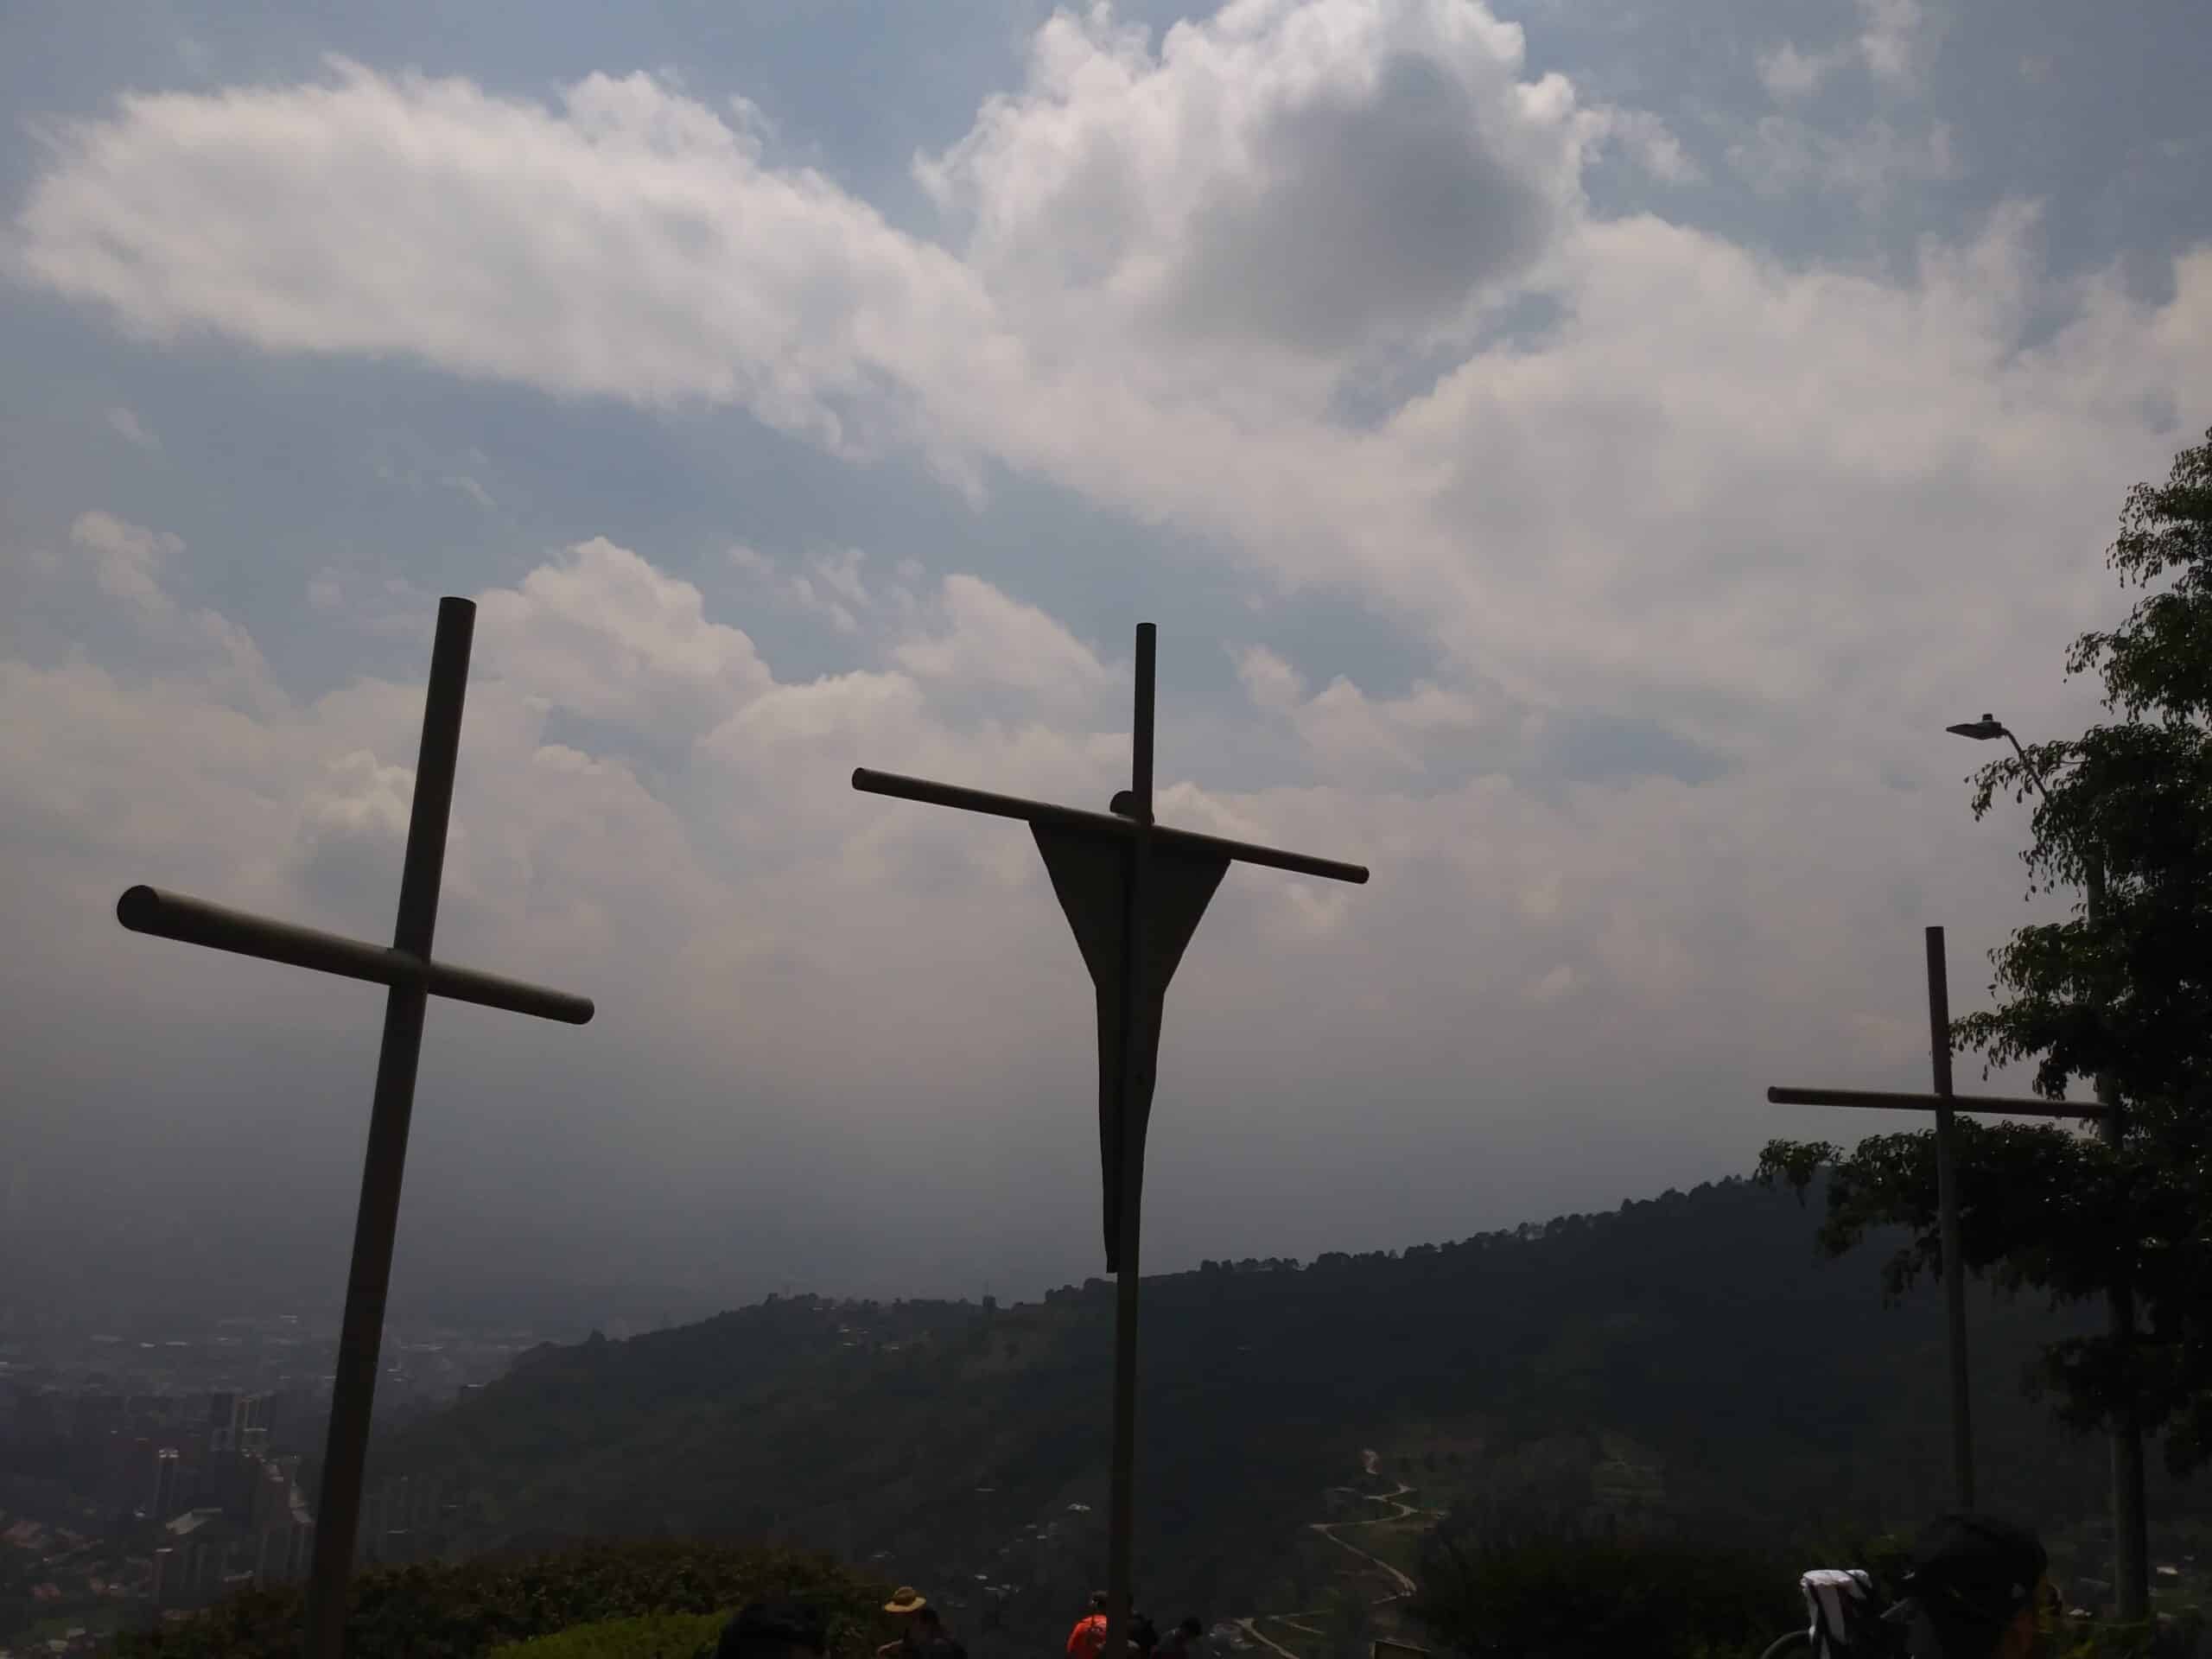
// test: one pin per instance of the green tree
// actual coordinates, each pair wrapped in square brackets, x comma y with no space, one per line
[2120,990]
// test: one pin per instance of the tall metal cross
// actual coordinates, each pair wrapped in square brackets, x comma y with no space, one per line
[406,967]
[1134,891]
[1943,1102]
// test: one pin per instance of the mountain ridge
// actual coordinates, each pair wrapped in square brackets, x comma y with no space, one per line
[1686,1362]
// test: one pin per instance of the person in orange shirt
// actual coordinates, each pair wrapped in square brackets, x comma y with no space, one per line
[1088,1639]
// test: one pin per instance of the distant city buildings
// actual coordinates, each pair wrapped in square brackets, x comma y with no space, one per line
[168,1473]
[179,1501]
[168,1483]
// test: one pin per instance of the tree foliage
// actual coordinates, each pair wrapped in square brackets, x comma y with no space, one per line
[648,1635]
[2120,990]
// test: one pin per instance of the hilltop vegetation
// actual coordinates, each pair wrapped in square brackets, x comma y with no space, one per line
[460,1612]
[1686,1364]
[1554,1594]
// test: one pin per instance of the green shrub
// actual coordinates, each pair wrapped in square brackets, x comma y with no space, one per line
[656,1636]
[1552,1594]
[459,1611]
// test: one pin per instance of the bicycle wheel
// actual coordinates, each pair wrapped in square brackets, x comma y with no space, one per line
[1796,1641]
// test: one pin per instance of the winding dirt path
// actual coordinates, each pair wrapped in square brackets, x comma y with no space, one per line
[1402,1585]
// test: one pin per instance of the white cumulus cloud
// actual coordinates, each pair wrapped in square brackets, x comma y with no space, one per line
[1311,177]
[605,633]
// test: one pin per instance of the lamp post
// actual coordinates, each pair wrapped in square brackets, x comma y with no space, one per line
[2131,1528]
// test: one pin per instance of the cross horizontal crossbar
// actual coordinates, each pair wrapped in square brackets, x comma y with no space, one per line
[1100,823]
[1880,1100]
[194,921]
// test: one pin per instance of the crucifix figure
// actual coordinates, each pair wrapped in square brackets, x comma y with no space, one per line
[1942,1102]
[1133,892]
[405,966]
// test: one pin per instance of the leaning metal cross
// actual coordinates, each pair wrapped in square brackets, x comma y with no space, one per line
[1943,1102]
[1133,892]
[405,966]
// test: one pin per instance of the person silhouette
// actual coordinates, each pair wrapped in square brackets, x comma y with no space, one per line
[1974,1590]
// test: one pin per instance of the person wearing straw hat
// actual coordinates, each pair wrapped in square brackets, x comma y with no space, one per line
[906,1606]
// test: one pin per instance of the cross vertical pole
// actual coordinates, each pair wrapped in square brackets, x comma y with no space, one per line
[361,1333]
[1945,1104]
[1134,891]
[1136,1052]
[1947,1201]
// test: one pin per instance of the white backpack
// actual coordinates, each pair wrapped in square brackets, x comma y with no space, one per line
[1848,1624]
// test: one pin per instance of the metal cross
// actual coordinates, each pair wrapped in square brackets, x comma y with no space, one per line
[1132,891]
[1943,1102]
[405,966]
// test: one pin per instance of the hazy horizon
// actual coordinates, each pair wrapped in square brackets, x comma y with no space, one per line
[211,1272]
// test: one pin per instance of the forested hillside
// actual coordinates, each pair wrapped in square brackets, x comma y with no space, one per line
[1685,1364]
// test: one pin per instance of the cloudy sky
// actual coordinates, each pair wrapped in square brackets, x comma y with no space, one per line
[1580,453]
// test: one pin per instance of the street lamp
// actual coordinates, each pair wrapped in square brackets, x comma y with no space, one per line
[2130,1536]
[1989,726]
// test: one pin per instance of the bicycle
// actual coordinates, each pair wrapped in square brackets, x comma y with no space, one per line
[1844,1619]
